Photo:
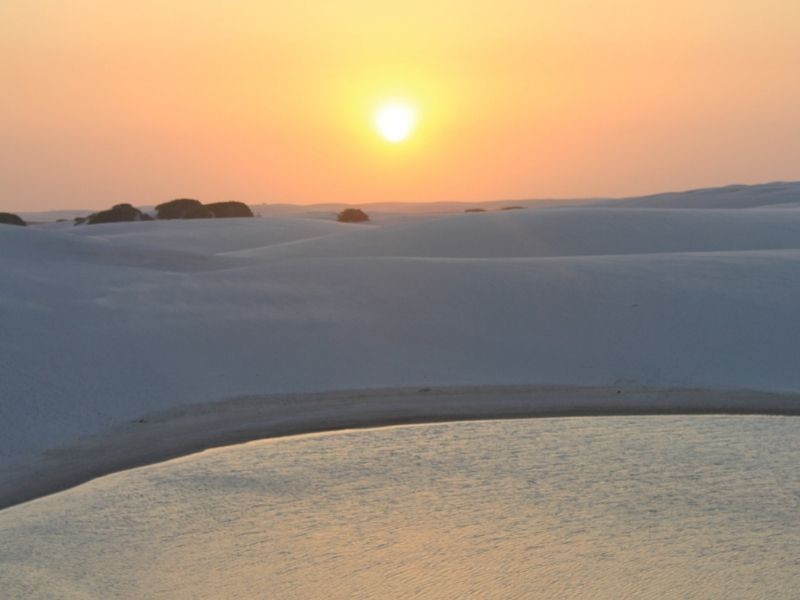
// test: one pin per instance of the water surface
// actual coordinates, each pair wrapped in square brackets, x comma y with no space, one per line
[622,507]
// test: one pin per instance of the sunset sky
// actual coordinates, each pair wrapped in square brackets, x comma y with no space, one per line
[260,101]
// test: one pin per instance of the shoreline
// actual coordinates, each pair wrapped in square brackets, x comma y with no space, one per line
[182,431]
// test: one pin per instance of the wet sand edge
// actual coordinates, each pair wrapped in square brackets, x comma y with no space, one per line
[190,429]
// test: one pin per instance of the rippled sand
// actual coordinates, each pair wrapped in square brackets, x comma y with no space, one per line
[618,507]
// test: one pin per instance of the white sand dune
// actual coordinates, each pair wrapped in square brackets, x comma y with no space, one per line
[104,324]
[731,196]
[586,231]
[208,236]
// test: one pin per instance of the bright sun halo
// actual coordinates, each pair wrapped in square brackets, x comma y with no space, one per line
[395,121]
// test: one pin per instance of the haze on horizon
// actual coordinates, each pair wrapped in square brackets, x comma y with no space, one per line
[272,101]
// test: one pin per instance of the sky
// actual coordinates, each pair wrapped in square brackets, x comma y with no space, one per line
[261,101]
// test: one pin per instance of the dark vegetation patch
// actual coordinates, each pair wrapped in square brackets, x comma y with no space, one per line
[352,215]
[11,219]
[183,208]
[119,213]
[229,210]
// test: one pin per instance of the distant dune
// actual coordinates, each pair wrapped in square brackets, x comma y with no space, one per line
[776,194]
[732,196]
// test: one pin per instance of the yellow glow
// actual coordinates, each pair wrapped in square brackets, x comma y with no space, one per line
[395,121]
[510,99]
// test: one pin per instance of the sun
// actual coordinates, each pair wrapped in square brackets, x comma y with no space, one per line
[395,121]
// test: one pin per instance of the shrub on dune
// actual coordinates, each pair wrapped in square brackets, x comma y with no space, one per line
[119,213]
[352,215]
[183,208]
[229,210]
[11,219]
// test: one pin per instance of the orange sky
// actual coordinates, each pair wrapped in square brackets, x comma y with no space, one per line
[107,102]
